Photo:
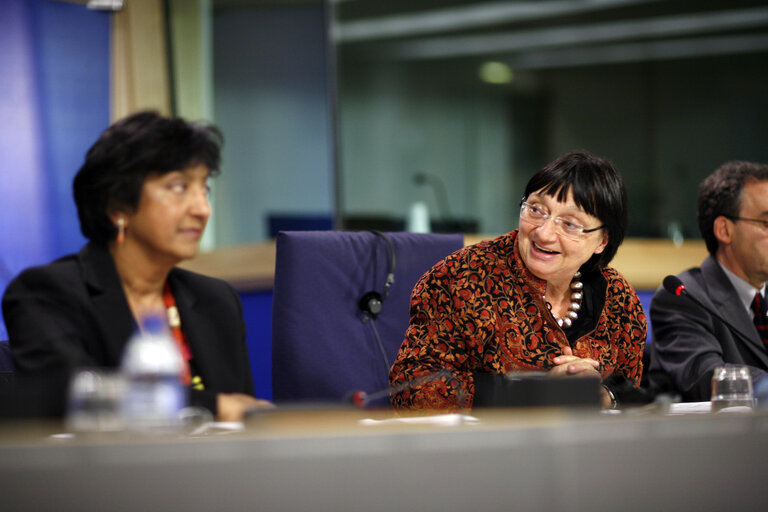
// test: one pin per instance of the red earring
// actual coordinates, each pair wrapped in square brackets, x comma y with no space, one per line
[120,230]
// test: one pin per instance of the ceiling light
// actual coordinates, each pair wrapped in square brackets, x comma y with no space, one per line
[105,5]
[495,73]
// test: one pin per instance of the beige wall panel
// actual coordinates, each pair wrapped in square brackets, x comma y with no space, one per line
[139,59]
[191,49]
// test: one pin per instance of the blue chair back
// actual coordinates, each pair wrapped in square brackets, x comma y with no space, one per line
[323,345]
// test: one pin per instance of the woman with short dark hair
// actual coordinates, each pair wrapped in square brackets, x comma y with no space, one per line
[540,298]
[142,201]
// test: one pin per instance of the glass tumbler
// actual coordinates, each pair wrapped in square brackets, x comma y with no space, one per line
[94,401]
[732,388]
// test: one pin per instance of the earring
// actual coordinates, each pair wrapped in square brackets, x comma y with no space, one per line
[120,230]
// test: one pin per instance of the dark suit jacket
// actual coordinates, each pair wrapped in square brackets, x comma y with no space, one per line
[688,343]
[74,313]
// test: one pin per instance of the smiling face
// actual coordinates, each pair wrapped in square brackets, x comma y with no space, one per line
[171,216]
[550,256]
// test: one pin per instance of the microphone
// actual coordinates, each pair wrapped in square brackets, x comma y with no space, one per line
[440,190]
[361,399]
[676,287]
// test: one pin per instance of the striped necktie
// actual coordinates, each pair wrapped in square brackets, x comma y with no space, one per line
[760,308]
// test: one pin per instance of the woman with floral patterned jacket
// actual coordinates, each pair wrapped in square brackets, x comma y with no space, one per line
[540,298]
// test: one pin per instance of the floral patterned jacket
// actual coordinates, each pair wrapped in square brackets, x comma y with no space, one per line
[481,310]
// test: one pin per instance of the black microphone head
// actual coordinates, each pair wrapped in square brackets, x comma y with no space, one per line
[674,285]
[370,303]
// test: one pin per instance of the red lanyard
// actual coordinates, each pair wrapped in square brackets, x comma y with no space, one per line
[174,321]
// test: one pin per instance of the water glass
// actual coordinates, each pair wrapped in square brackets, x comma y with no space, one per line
[732,388]
[94,399]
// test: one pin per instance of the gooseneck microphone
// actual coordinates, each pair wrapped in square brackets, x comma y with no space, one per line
[675,286]
[361,399]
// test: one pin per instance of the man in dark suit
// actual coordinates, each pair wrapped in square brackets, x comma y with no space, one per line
[689,342]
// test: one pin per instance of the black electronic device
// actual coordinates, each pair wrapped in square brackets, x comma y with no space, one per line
[530,389]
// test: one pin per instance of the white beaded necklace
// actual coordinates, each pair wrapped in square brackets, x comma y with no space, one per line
[577,295]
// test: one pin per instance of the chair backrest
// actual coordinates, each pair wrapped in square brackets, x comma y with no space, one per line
[277,222]
[323,346]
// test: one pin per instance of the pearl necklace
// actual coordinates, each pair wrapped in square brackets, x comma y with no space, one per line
[577,295]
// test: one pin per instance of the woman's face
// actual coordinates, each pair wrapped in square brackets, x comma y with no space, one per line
[551,256]
[172,214]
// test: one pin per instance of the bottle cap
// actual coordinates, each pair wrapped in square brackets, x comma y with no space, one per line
[154,323]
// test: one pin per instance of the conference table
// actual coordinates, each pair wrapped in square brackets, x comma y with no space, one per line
[535,459]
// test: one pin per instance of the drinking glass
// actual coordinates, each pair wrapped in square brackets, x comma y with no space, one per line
[732,388]
[94,401]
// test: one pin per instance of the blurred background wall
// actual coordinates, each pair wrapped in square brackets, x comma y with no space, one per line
[271,100]
[479,94]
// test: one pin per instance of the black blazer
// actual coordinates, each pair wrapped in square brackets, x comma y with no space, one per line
[688,343]
[74,313]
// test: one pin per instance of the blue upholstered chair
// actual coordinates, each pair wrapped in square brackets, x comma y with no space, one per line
[324,346]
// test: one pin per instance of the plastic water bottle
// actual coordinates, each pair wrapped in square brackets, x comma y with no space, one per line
[151,367]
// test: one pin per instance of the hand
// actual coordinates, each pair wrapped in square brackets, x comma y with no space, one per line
[572,366]
[233,406]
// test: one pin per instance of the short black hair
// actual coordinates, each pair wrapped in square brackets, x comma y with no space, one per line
[134,147]
[720,195]
[597,188]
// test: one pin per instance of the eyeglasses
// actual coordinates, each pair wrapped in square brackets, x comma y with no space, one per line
[537,216]
[759,221]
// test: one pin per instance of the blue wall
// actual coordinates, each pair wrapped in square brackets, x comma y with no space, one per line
[72,66]
[645,297]
[54,101]
[257,311]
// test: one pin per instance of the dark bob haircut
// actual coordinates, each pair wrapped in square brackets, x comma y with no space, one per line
[127,152]
[597,188]
[720,194]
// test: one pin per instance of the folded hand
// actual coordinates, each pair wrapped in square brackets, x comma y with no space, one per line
[571,365]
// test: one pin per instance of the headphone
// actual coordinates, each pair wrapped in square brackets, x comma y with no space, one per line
[370,303]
